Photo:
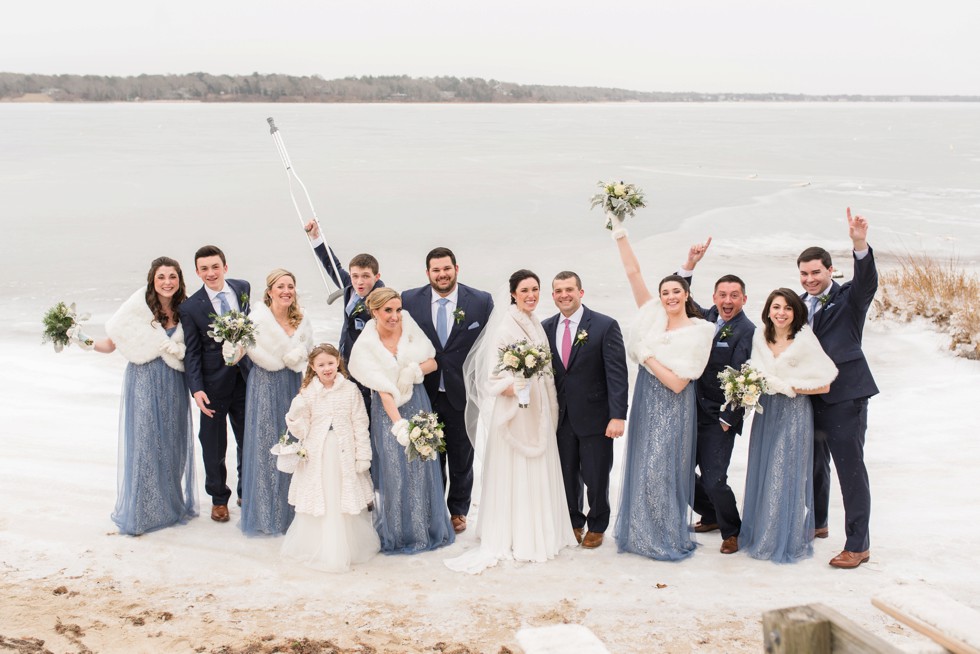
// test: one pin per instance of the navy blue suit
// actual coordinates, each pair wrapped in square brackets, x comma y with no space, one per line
[840,416]
[592,390]
[450,405]
[714,500]
[355,320]
[205,370]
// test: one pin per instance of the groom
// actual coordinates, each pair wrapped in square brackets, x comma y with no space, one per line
[218,389]
[452,316]
[840,416]
[589,362]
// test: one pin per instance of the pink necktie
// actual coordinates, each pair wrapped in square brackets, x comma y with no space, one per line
[566,344]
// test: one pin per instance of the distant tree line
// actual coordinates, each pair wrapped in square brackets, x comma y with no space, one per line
[204,87]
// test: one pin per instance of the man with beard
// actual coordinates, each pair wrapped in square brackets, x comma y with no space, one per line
[452,315]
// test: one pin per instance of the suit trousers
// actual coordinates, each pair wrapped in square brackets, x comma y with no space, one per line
[214,441]
[714,500]
[838,433]
[586,461]
[458,457]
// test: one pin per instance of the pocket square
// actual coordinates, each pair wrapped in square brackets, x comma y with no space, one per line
[721,344]
[475,325]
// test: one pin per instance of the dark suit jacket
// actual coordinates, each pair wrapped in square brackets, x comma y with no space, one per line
[733,350]
[355,321]
[205,368]
[594,388]
[839,326]
[476,305]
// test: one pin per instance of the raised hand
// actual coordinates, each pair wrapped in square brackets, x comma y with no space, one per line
[696,253]
[857,229]
[312,229]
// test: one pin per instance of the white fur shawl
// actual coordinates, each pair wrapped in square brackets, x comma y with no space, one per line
[141,340]
[803,364]
[274,350]
[684,351]
[374,366]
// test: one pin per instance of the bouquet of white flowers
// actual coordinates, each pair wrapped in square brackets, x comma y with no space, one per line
[289,453]
[524,360]
[618,200]
[743,387]
[61,327]
[233,330]
[425,438]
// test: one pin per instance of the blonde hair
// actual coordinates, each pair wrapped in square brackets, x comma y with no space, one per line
[322,348]
[380,297]
[294,315]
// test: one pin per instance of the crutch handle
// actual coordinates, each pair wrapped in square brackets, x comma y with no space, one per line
[272,125]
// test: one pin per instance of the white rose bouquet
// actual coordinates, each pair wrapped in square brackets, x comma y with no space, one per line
[425,438]
[234,330]
[743,387]
[61,327]
[524,360]
[618,200]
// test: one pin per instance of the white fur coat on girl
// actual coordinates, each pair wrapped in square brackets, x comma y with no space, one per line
[375,367]
[803,364]
[140,339]
[274,349]
[684,351]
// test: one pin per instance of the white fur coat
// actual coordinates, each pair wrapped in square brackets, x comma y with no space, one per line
[141,340]
[311,415]
[274,349]
[375,367]
[803,364]
[684,351]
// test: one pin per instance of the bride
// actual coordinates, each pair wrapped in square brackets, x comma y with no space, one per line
[523,514]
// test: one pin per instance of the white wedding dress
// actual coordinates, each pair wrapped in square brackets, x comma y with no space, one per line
[522,512]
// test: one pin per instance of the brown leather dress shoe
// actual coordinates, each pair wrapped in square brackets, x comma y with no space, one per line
[579,533]
[219,513]
[703,528]
[847,560]
[592,540]
[729,545]
[459,523]
[821,532]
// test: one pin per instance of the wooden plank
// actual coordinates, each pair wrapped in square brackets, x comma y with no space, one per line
[953,625]
[849,637]
[818,629]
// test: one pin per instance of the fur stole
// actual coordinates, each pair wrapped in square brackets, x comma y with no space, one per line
[141,340]
[684,351]
[803,364]
[374,366]
[274,350]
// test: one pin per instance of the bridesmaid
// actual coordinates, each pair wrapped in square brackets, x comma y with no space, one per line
[283,341]
[672,346]
[391,357]
[155,480]
[777,520]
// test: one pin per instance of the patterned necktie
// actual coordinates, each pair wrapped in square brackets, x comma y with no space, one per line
[223,302]
[566,343]
[442,321]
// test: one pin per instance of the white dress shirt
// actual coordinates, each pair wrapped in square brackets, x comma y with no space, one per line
[230,298]
[450,307]
[573,323]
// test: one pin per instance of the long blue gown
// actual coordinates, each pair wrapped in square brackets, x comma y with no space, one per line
[777,520]
[658,478]
[265,490]
[155,482]
[410,512]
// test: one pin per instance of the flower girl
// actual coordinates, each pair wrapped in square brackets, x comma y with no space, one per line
[331,488]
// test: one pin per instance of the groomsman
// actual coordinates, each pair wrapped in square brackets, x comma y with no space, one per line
[840,416]
[589,362]
[452,315]
[714,500]
[218,389]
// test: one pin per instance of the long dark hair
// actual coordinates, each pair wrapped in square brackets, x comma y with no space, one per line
[799,313]
[518,277]
[153,302]
[690,308]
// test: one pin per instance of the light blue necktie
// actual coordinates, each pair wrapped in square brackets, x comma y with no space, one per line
[223,302]
[442,321]
[719,324]
[813,309]
[353,303]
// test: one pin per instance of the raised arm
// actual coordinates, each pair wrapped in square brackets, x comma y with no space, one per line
[631,265]
[322,253]
[865,282]
[694,255]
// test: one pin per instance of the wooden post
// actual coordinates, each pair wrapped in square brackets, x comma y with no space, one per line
[818,629]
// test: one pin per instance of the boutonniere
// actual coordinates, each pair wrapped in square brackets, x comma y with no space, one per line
[581,337]
[243,299]
[725,332]
[459,315]
[823,299]
[358,309]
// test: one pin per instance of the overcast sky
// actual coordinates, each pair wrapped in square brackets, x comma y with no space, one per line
[818,46]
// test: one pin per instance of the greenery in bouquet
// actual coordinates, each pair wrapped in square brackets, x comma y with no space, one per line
[524,359]
[618,198]
[61,327]
[743,387]
[233,327]
[425,436]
